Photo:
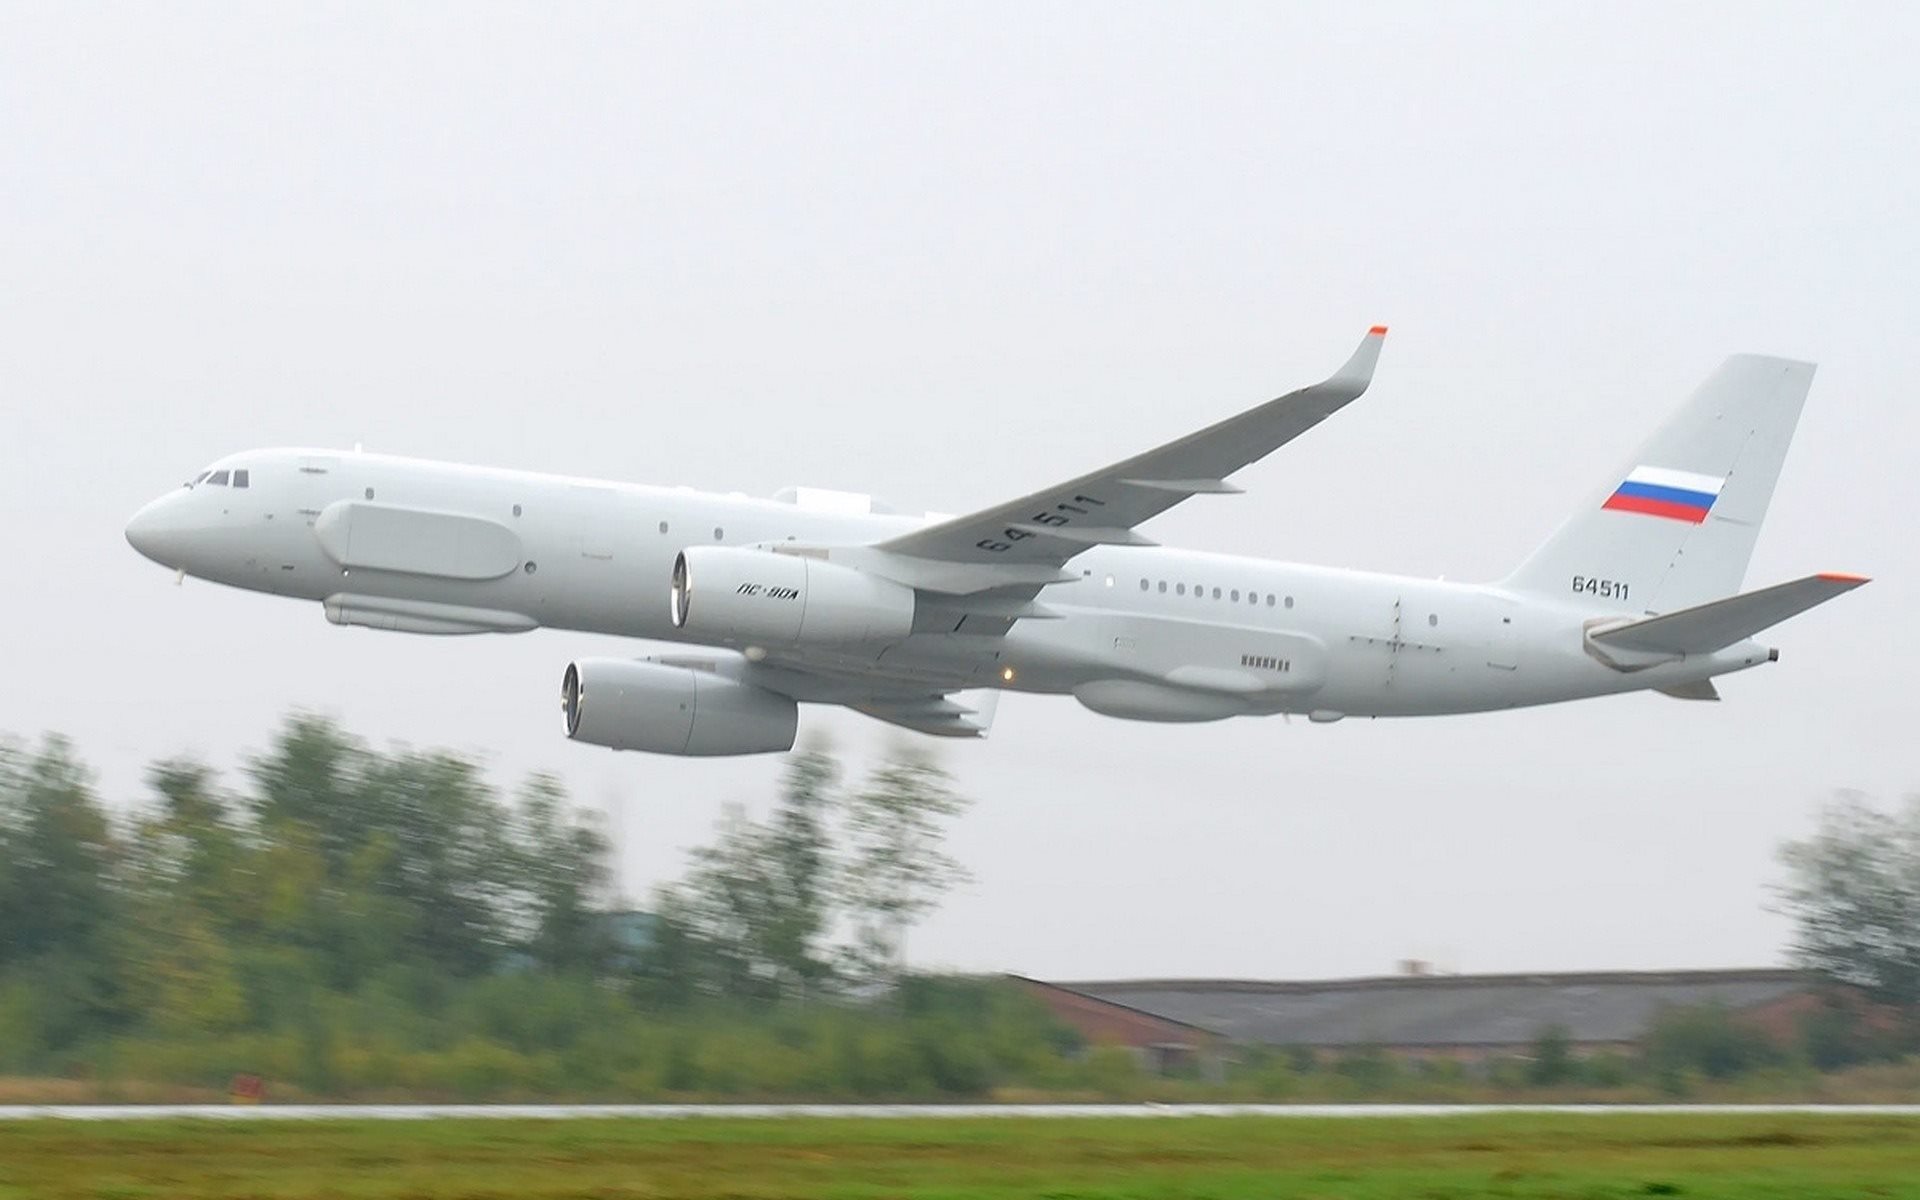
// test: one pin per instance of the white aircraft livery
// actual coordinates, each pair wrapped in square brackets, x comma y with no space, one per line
[824,597]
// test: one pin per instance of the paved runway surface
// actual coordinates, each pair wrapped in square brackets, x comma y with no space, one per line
[657,1112]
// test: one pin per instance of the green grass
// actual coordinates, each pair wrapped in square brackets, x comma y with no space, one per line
[1559,1156]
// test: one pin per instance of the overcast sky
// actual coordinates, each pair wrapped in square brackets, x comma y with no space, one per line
[949,253]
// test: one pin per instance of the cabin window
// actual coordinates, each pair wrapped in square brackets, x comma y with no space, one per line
[218,479]
[718,533]
[1433,620]
[1216,593]
[1143,585]
[663,527]
[1163,587]
[1235,596]
[241,478]
[1289,601]
[369,493]
[1180,589]
[1109,581]
[1269,599]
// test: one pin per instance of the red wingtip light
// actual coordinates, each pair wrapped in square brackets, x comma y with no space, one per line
[1843,577]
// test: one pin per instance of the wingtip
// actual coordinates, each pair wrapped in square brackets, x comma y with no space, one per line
[1359,369]
[1846,577]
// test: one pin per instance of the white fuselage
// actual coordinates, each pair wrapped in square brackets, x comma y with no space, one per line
[1151,632]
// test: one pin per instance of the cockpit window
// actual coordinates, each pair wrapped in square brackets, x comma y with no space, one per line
[218,479]
[200,478]
[240,478]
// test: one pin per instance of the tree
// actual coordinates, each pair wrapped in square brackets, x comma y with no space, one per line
[565,876]
[60,899]
[895,871]
[1854,895]
[1708,1039]
[191,866]
[750,916]
[1551,1061]
[57,855]
[407,855]
[801,862]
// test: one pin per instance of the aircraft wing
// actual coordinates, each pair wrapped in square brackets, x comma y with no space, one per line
[1024,541]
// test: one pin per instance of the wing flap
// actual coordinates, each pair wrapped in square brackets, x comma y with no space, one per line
[967,714]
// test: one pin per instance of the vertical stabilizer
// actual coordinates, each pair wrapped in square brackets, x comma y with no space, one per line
[1675,526]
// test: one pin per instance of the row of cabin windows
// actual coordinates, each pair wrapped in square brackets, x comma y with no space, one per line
[1232,594]
[237,479]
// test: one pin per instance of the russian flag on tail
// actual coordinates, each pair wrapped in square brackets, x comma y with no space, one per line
[1663,492]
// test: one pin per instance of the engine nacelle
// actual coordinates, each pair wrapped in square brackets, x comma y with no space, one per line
[630,705]
[730,595]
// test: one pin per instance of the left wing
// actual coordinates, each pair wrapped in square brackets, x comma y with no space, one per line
[1026,540]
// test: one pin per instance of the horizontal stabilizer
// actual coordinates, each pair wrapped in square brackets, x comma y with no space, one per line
[1721,623]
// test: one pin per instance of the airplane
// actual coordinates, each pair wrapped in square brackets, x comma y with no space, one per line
[824,597]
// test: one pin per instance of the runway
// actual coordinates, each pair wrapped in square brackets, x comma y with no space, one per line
[882,1112]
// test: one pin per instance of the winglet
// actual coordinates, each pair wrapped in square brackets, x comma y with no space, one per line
[1358,372]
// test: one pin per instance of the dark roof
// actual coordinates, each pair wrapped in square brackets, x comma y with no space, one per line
[1079,993]
[1441,1010]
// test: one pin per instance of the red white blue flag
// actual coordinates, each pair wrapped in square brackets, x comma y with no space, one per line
[1663,492]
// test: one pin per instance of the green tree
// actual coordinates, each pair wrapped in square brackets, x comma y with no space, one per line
[1854,894]
[750,917]
[188,886]
[1708,1039]
[800,851]
[414,854]
[60,899]
[895,870]
[1551,1061]
[57,855]
[563,870]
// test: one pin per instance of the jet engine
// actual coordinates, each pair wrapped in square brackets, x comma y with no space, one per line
[636,705]
[731,595]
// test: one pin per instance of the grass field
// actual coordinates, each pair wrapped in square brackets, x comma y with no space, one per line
[1221,1158]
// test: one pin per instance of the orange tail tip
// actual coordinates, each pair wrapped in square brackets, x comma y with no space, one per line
[1377,331]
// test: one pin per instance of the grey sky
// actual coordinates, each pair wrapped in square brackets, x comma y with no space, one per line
[948,253]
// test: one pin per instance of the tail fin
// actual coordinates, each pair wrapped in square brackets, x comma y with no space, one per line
[1676,526]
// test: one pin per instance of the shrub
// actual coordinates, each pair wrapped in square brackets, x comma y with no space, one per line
[1707,1039]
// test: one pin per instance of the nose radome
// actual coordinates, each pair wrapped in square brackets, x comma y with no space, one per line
[155,531]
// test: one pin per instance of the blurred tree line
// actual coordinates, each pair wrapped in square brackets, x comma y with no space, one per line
[386,924]
[360,920]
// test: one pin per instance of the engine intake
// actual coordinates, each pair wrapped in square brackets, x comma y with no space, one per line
[637,705]
[730,595]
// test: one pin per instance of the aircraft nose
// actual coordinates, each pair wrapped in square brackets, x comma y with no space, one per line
[156,531]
